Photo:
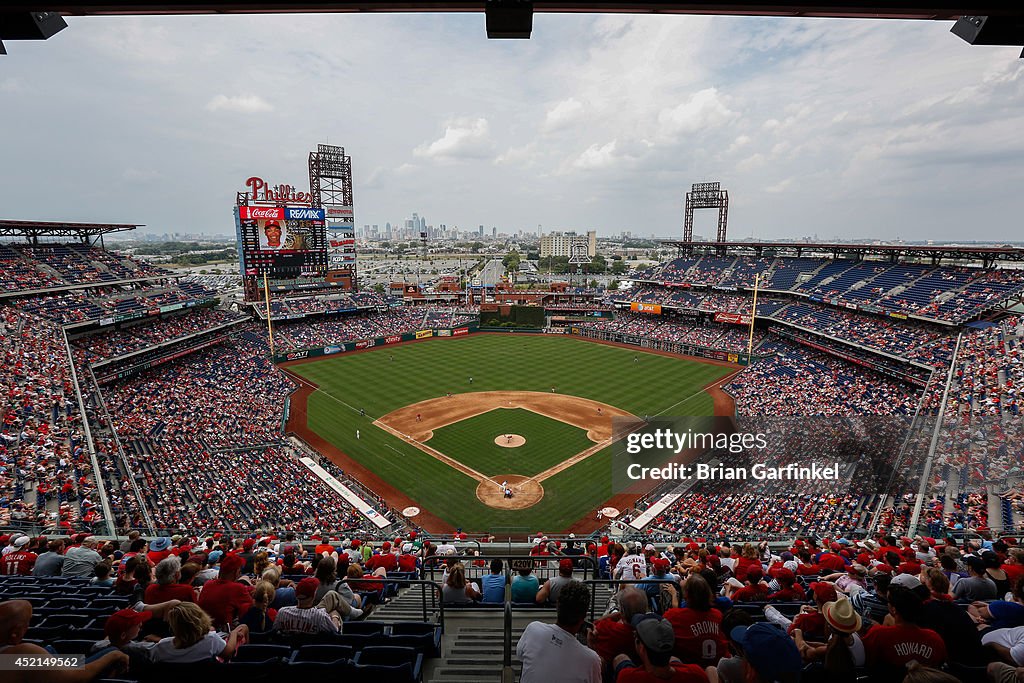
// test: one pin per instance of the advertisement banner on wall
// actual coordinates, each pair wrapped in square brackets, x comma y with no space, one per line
[423,334]
[460,331]
[641,307]
[732,318]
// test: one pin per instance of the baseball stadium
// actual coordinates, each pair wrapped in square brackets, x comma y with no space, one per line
[739,460]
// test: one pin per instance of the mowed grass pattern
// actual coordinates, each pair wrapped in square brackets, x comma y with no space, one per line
[548,442]
[388,378]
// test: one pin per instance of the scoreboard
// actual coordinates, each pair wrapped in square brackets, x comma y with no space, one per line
[281,242]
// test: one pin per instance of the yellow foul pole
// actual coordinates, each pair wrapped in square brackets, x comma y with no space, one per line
[270,328]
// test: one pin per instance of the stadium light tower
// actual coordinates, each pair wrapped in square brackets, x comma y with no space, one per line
[706,196]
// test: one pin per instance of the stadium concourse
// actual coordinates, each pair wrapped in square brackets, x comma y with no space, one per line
[148,491]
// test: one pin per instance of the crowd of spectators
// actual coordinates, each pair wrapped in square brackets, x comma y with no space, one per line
[927,344]
[911,289]
[135,299]
[227,396]
[118,342]
[314,332]
[45,476]
[24,267]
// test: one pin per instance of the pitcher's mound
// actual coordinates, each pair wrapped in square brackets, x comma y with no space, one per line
[509,440]
[525,492]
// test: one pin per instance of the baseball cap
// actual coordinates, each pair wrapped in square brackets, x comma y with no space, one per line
[906,580]
[20,541]
[660,564]
[214,556]
[823,592]
[565,564]
[248,543]
[122,620]
[307,587]
[768,649]
[655,633]
[386,546]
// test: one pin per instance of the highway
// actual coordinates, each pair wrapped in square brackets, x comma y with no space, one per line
[491,273]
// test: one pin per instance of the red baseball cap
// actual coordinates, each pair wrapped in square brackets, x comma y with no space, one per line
[386,546]
[785,574]
[824,592]
[248,543]
[660,563]
[356,543]
[565,564]
[122,620]
[307,587]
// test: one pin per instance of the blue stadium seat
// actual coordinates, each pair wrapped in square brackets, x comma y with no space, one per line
[322,653]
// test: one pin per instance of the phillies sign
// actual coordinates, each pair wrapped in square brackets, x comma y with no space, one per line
[261,192]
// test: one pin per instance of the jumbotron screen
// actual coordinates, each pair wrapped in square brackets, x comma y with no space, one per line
[281,242]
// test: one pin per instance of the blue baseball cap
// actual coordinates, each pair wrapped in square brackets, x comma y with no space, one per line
[769,650]
[215,556]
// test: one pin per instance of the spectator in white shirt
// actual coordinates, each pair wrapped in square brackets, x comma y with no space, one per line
[550,653]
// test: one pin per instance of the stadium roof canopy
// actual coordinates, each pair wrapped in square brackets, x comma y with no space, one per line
[987,255]
[33,230]
[988,24]
[898,9]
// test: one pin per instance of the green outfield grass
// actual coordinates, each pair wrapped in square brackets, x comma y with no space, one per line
[389,378]
[547,442]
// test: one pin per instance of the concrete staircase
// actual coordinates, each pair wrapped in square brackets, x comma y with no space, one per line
[473,645]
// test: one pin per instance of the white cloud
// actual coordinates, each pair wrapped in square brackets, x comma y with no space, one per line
[563,114]
[243,104]
[597,157]
[463,138]
[705,109]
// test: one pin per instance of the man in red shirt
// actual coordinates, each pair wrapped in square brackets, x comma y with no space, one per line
[385,560]
[788,592]
[224,598]
[833,561]
[18,561]
[755,591]
[810,620]
[889,648]
[167,586]
[613,635]
[159,548]
[407,561]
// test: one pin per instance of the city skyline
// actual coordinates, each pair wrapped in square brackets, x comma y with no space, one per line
[855,128]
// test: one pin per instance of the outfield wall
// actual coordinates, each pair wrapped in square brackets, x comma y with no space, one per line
[342,347]
[663,345]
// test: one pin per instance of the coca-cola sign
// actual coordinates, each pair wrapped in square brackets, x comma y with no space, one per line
[261,213]
[260,191]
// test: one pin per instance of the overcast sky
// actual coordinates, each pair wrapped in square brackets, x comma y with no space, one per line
[834,128]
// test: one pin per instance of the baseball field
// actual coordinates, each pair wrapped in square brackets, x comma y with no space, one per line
[448,425]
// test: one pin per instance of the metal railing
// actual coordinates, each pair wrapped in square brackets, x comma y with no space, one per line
[436,601]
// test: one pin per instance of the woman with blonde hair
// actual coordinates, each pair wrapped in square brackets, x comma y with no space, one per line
[260,617]
[193,640]
[456,589]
